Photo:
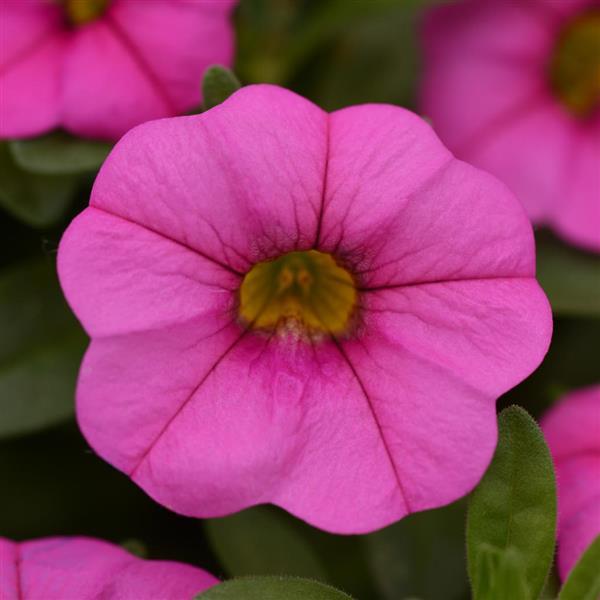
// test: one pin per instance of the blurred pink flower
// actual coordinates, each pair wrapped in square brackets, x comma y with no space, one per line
[572,430]
[513,88]
[87,569]
[393,412]
[133,62]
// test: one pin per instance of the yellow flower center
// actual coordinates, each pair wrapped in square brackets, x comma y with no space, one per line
[80,12]
[303,292]
[575,65]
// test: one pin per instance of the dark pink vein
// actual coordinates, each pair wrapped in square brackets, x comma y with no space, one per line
[157,85]
[375,420]
[29,50]
[187,400]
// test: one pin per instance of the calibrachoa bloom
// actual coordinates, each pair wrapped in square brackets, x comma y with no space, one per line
[514,87]
[572,430]
[81,568]
[99,67]
[312,310]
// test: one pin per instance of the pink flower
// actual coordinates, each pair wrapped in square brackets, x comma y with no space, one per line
[99,67]
[87,569]
[572,430]
[513,88]
[350,382]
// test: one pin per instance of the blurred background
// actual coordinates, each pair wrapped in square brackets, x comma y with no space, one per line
[336,53]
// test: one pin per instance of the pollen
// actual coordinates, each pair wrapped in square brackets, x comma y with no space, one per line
[575,65]
[80,12]
[306,293]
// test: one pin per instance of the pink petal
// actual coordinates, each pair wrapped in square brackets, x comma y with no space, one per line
[9,578]
[260,422]
[412,214]
[84,568]
[572,430]
[576,214]
[433,359]
[30,68]
[107,292]
[478,78]
[577,534]
[240,183]
[178,41]
[573,425]
[142,381]
[105,93]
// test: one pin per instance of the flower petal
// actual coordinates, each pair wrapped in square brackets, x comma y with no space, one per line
[573,426]
[576,215]
[105,92]
[478,78]
[58,568]
[433,360]
[240,183]
[140,280]
[178,41]
[400,210]
[30,68]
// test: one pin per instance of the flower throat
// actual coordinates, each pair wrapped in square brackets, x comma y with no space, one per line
[306,293]
[575,65]
[80,12]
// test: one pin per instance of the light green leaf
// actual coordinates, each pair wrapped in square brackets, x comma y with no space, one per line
[514,506]
[217,85]
[272,588]
[583,582]
[40,350]
[570,277]
[38,200]
[421,556]
[59,153]
[500,575]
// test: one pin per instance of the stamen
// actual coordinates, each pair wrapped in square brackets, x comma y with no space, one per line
[299,291]
[80,12]
[575,65]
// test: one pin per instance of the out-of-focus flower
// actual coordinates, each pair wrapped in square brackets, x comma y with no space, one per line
[514,88]
[572,430]
[62,568]
[313,310]
[99,67]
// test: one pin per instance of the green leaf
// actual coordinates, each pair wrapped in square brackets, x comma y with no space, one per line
[59,153]
[500,575]
[272,588]
[583,582]
[38,200]
[514,506]
[217,85]
[251,541]
[421,555]
[40,350]
[570,278]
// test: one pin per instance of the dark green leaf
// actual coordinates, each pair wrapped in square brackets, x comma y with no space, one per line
[251,542]
[571,278]
[40,349]
[265,540]
[583,582]
[514,507]
[422,555]
[272,588]
[500,575]
[38,200]
[218,84]
[59,153]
